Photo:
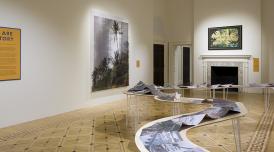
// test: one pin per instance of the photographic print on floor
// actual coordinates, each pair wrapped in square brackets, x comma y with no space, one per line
[225,38]
[164,136]
[111,54]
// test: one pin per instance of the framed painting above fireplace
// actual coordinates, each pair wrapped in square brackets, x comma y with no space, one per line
[225,38]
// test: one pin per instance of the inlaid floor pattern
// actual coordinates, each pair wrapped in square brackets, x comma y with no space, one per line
[104,129]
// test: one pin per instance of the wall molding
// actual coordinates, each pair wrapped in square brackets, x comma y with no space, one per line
[248,57]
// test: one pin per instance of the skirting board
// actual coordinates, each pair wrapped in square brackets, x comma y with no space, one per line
[104,100]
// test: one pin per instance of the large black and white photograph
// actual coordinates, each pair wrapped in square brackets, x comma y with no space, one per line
[111,54]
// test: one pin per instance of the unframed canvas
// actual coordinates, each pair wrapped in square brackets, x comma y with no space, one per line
[111,54]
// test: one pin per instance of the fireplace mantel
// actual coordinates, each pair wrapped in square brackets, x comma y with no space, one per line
[248,57]
[240,61]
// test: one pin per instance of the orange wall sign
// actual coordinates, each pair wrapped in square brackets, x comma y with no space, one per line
[256,65]
[10,54]
[138,64]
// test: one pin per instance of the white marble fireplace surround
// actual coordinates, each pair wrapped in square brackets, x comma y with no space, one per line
[240,61]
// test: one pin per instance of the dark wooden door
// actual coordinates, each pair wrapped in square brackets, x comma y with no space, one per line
[158,64]
[186,65]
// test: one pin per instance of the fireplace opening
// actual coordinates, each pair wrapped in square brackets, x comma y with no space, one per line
[224,75]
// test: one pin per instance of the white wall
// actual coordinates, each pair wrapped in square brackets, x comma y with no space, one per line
[160,21]
[56,51]
[268,38]
[173,21]
[180,21]
[215,13]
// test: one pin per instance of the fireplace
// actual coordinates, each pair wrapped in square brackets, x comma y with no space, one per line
[225,75]
[242,62]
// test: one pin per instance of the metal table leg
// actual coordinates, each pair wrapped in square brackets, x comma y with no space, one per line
[268,97]
[173,109]
[227,93]
[127,112]
[176,108]
[136,113]
[137,110]
[205,95]
[183,92]
[224,93]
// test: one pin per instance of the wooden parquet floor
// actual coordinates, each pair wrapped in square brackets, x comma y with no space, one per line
[103,128]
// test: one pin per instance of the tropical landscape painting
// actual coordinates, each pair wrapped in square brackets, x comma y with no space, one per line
[111,52]
[225,38]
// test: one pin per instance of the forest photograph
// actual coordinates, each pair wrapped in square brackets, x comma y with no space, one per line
[111,53]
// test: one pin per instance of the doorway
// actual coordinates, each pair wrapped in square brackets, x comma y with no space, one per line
[186,66]
[181,65]
[159,64]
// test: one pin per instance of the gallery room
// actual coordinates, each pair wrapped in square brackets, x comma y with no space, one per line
[136,75]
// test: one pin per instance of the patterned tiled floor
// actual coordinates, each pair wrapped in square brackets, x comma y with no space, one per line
[104,129]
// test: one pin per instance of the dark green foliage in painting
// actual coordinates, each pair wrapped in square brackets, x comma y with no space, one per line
[104,77]
[120,69]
